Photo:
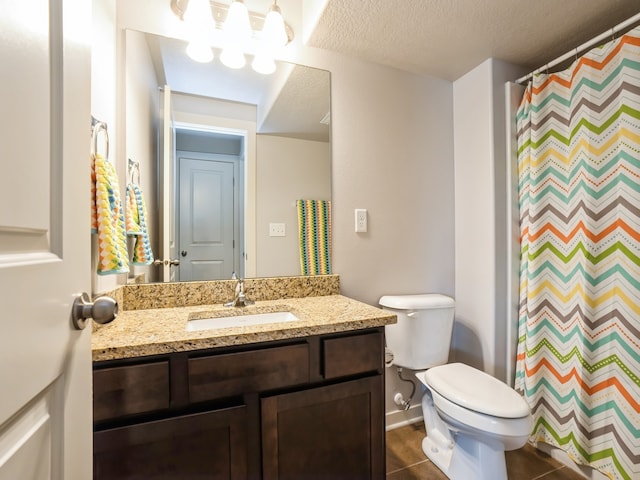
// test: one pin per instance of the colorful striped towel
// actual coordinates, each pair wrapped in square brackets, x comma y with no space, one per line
[314,227]
[136,218]
[107,218]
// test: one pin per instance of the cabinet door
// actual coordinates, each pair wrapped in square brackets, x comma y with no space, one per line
[211,445]
[336,431]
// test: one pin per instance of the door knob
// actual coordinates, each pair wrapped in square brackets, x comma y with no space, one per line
[103,310]
[174,262]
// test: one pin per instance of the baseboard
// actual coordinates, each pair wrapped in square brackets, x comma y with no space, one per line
[400,418]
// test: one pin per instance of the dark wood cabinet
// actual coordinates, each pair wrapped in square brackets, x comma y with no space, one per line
[311,407]
[335,431]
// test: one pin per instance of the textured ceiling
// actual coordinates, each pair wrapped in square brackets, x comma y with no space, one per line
[447,38]
[301,106]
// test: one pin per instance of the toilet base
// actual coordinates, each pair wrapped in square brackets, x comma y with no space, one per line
[466,459]
[440,457]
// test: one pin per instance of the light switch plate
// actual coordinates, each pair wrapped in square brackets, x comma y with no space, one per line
[361,220]
[277,230]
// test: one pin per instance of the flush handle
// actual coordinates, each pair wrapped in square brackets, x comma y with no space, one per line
[103,310]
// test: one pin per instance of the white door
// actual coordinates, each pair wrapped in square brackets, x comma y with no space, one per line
[207,208]
[168,253]
[45,121]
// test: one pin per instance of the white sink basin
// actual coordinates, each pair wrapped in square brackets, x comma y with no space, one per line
[239,321]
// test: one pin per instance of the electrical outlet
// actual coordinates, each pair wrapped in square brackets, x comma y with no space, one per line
[361,220]
[276,230]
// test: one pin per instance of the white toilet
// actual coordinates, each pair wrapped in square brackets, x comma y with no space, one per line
[471,418]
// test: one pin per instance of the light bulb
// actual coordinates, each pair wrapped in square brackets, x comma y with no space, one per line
[233,57]
[199,51]
[272,38]
[264,64]
[273,32]
[199,20]
[237,27]
[199,17]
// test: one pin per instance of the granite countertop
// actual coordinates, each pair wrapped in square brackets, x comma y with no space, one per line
[137,333]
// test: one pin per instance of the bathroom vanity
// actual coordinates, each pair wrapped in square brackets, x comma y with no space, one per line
[270,401]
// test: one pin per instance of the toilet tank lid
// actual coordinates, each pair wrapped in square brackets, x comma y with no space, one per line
[421,301]
[476,390]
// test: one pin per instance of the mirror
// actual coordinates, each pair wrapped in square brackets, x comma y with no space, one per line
[267,136]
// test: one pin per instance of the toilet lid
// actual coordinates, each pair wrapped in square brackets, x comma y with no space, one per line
[422,301]
[476,390]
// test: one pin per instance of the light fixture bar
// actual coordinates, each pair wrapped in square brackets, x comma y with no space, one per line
[219,12]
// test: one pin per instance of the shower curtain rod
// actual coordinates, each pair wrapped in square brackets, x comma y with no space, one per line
[581,48]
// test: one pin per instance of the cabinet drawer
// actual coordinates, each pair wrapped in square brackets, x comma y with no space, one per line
[354,354]
[128,390]
[230,374]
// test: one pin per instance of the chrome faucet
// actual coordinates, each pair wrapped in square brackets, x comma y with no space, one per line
[240,299]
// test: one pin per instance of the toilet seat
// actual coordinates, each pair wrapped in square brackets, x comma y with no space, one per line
[475,390]
[458,417]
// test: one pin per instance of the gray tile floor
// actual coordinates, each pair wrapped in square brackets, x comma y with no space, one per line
[405,460]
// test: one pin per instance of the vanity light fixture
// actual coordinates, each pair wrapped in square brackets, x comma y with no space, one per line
[239,28]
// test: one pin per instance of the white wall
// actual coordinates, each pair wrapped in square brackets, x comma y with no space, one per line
[392,142]
[482,260]
[288,169]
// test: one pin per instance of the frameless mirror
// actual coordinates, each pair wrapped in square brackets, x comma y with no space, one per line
[222,156]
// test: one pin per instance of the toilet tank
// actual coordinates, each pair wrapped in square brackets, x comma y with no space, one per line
[422,336]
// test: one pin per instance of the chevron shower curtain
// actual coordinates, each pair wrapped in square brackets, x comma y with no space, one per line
[579,320]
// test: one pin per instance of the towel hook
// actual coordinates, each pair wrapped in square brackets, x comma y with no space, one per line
[134,167]
[97,128]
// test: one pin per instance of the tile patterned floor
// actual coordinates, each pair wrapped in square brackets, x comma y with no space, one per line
[405,460]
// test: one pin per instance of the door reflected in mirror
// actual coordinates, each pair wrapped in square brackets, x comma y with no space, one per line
[209,205]
[223,155]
